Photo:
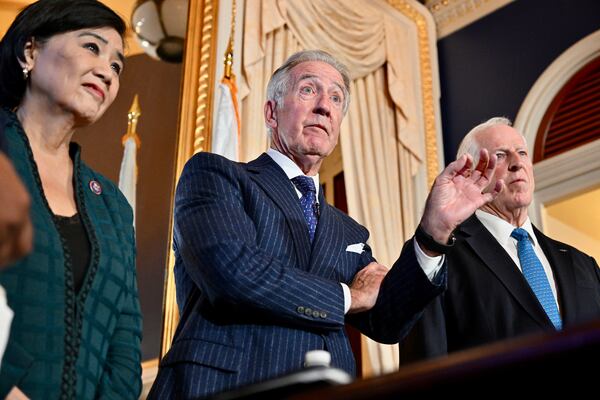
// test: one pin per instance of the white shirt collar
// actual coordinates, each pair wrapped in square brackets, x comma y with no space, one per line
[290,168]
[501,229]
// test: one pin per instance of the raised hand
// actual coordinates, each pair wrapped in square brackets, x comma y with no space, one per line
[457,192]
[365,287]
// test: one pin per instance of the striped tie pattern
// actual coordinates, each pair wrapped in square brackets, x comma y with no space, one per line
[308,201]
[536,276]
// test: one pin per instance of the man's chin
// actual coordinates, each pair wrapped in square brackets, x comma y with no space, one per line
[319,148]
[318,153]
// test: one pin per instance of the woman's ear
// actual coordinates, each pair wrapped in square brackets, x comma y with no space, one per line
[30,53]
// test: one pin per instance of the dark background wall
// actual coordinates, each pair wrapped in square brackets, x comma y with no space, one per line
[488,67]
[158,86]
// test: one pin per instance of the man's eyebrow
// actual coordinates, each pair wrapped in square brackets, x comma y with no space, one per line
[103,40]
[313,77]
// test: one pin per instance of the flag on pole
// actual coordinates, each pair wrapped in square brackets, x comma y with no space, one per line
[128,173]
[131,142]
[226,131]
[227,127]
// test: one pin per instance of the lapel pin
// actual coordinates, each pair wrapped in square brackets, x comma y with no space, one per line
[95,187]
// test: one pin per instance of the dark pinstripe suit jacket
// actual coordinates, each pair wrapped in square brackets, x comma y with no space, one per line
[254,295]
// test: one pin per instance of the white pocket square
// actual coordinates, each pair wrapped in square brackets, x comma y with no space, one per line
[356,247]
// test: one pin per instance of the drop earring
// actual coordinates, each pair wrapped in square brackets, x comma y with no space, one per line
[25,74]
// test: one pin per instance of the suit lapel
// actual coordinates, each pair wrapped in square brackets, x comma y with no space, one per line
[328,242]
[564,276]
[499,262]
[274,182]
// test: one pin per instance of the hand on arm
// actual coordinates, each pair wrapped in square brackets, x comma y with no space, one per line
[456,193]
[365,287]
[16,231]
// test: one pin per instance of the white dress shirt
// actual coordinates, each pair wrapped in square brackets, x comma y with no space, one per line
[430,265]
[501,231]
[6,316]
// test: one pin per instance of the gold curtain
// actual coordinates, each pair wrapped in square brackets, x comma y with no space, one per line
[379,172]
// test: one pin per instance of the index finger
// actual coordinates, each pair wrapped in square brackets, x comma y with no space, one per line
[458,167]
[491,166]
[484,158]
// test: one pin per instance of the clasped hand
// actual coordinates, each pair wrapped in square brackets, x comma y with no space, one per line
[365,287]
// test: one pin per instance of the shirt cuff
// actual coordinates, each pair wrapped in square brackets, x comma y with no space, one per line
[430,265]
[347,298]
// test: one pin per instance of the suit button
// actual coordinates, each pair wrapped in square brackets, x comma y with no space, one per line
[300,309]
[316,314]
[323,314]
[308,311]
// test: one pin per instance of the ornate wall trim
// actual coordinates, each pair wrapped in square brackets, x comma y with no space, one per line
[194,124]
[452,15]
[429,84]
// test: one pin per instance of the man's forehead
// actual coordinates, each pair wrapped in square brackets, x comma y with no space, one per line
[317,70]
[501,136]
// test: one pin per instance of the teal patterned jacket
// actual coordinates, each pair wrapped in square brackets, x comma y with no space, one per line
[63,344]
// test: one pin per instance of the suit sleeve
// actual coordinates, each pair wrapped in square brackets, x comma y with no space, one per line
[404,294]
[217,241]
[427,339]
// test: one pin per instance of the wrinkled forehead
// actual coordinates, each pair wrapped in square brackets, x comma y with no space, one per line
[317,70]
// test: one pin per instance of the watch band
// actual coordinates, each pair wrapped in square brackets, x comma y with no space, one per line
[431,244]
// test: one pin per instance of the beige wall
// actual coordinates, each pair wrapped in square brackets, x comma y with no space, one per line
[575,221]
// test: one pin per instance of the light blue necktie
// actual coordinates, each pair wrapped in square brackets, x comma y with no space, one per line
[536,276]
[308,201]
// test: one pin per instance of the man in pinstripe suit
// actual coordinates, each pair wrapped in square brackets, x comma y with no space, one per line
[255,290]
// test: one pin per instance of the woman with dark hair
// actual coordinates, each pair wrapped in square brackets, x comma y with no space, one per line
[76,329]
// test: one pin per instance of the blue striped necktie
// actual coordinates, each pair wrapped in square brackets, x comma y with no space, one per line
[308,201]
[536,276]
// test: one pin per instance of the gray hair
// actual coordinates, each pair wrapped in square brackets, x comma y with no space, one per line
[470,144]
[280,81]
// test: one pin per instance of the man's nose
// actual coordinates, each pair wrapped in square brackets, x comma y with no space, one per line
[515,162]
[322,106]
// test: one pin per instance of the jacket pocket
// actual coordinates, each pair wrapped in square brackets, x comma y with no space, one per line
[211,354]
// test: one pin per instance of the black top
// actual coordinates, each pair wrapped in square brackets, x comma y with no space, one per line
[76,242]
